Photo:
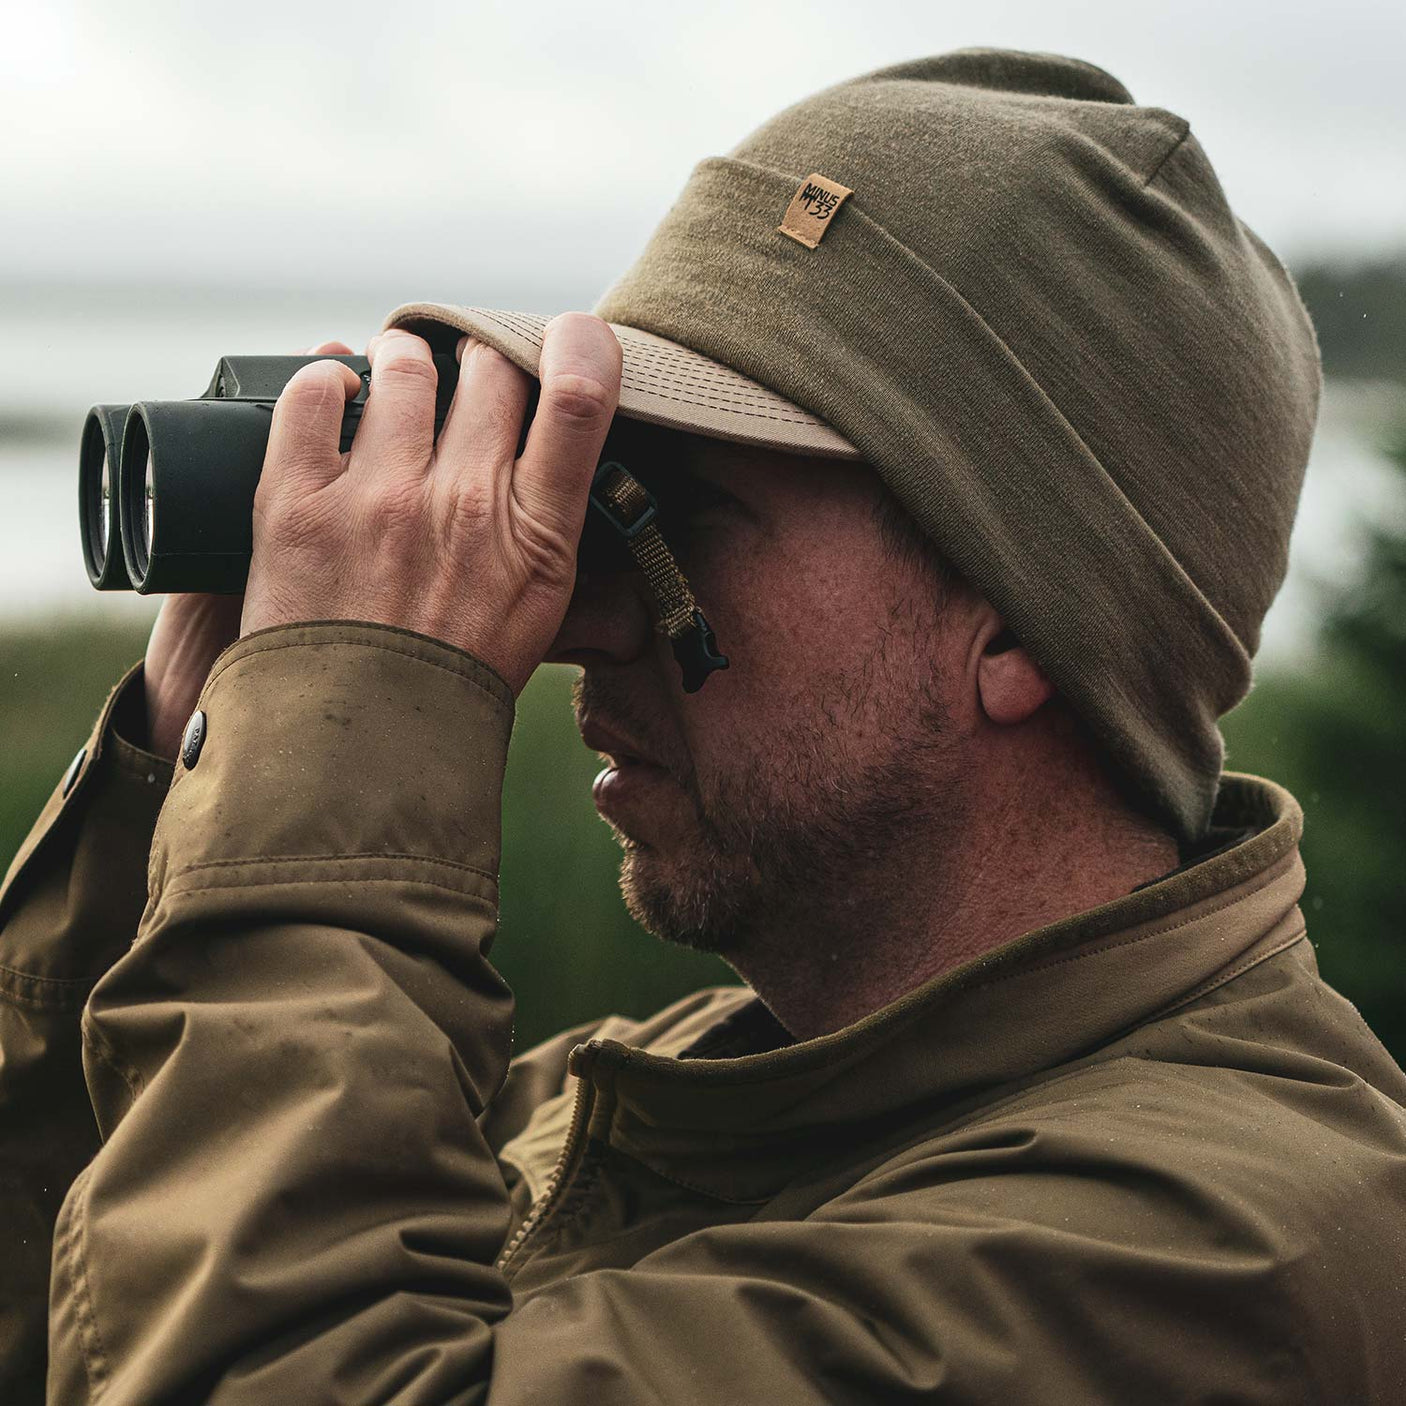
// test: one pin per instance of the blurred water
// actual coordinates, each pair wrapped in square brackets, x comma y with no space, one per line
[59,355]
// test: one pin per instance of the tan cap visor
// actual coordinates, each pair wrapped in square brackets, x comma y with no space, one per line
[662,383]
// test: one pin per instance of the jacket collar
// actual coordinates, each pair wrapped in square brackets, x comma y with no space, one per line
[737,1127]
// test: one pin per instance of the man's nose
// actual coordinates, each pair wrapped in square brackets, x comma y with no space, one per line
[608,621]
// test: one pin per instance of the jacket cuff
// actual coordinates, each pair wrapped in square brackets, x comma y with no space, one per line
[75,889]
[339,749]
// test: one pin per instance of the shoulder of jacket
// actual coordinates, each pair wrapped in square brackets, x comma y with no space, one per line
[1289,1158]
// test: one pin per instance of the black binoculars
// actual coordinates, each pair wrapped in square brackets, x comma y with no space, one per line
[166,496]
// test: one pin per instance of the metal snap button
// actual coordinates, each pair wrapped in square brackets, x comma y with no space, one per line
[74,767]
[193,739]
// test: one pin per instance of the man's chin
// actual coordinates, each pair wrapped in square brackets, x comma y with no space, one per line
[677,908]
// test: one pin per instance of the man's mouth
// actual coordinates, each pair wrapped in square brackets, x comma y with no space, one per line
[617,749]
[623,787]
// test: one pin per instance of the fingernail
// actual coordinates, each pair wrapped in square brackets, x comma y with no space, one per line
[459,349]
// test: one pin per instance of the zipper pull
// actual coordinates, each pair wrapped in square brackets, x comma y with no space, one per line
[585,1059]
[582,1059]
[581,1062]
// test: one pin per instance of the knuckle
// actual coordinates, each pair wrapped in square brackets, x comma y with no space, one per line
[468,514]
[291,525]
[300,448]
[550,556]
[393,505]
[481,351]
[408,368]
[573,396]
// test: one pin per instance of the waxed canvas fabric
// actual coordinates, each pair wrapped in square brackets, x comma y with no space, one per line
[256,1100]
[1039,319]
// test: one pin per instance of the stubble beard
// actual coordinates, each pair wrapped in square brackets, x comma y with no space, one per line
[793,839]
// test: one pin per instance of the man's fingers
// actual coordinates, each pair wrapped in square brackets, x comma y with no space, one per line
[485,418]
[396,434]
[303,436]
[580,375]
[304,445]
[326,349]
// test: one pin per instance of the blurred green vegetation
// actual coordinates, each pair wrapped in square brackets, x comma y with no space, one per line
[1359,311]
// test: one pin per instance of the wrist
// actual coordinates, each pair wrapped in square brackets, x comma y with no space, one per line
[143,721]
[163,730]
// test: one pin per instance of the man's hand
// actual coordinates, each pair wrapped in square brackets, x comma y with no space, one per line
[190,633]
[459,539]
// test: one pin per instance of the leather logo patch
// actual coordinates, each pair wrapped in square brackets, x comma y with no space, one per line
[812,208]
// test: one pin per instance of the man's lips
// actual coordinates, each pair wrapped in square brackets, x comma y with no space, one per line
[632,776]
[618,749]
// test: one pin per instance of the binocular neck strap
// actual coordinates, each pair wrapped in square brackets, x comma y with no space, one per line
[631,500]
[631,508]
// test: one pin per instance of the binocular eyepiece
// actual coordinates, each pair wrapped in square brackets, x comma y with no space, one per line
[166,496]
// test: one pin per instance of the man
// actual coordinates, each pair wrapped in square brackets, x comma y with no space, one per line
[980,422]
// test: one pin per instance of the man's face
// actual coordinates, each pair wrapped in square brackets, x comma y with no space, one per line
[796,783]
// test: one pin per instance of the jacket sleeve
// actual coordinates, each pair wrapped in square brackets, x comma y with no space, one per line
[293,1200]
[68,908]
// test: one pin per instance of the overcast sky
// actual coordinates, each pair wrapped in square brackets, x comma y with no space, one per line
[436,149]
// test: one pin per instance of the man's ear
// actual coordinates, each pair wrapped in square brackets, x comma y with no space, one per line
[1010,684]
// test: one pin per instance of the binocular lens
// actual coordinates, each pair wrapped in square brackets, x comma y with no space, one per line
[136,495]
[106,502]
[149,508]
[97,497]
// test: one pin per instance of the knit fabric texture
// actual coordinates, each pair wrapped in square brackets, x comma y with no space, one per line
[1040,322]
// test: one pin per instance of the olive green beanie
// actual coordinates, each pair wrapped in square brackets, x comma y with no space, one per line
[1036,316]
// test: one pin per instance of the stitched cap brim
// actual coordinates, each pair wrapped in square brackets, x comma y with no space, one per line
[662,382]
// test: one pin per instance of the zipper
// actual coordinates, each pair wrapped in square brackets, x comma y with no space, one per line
[580,1063]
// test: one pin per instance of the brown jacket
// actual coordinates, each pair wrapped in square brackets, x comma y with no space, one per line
[1142,1155]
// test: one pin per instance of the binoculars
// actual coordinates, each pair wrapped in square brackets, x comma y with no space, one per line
[166,496]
